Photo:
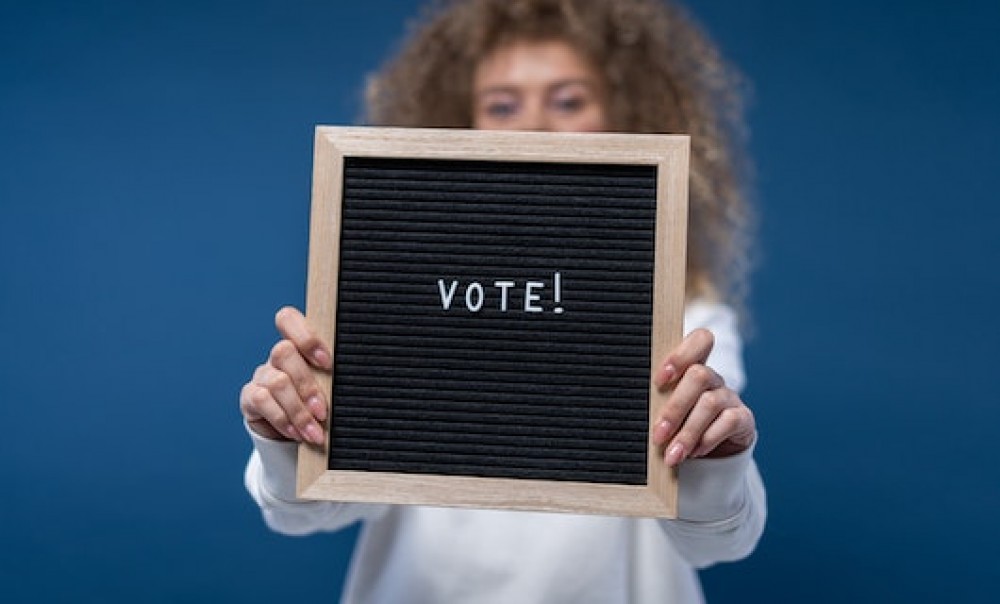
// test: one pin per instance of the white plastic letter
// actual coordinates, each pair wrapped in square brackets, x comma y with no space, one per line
[530,296]
[504,286]
[447,297]
[474,286]
[557,285]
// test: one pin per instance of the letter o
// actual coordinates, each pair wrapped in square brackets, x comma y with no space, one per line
[474,287]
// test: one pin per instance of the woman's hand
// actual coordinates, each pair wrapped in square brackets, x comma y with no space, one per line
[701,417]
[282,400]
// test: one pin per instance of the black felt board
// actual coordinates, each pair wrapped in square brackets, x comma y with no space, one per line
[558,393]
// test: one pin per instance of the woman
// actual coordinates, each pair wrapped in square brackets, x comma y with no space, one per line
[561,65]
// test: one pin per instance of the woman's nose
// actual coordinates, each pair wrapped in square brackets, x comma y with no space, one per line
[534,117]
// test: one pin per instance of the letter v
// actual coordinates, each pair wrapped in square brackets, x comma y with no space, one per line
[447,297]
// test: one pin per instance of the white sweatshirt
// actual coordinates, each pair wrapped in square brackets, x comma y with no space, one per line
[442,555]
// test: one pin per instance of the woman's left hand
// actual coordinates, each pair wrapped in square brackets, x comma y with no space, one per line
[701,417]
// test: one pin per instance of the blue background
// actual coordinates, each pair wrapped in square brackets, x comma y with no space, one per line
[154,181]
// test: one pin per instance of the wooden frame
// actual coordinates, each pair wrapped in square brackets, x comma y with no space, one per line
[669,153]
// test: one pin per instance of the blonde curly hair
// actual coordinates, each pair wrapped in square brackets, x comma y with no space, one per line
[663,74]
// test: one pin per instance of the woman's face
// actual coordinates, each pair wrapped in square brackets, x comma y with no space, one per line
[543,85]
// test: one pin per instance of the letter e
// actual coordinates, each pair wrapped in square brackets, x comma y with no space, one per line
[530,296]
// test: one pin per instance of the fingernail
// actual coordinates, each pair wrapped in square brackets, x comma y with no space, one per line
[661,432]
[292,432]
[669,373]
[320,356]
[314,434]
[317,407]
[675,454]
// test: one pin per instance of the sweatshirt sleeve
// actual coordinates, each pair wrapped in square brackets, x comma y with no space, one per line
[270,479]
[722,507]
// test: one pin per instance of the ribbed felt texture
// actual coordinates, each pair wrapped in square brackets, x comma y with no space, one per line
[558,394]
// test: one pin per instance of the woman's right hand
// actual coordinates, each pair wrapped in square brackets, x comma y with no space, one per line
[282,400]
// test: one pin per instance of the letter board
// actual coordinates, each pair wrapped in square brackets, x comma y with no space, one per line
[496,303]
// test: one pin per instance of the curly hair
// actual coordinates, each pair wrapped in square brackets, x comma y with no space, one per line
[663,74]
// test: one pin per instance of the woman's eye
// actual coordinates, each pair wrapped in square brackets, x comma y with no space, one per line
[569,104]
[500,109]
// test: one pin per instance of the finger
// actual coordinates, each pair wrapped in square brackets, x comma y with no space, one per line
[247,408]
[733,430]
[258,405]
[709,406]
[282,390]
[266,430]
[292,325]
[693,349]
[286,358]
[254,419]
[697,379]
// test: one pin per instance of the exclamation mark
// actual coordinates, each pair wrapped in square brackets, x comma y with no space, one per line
[557,285]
